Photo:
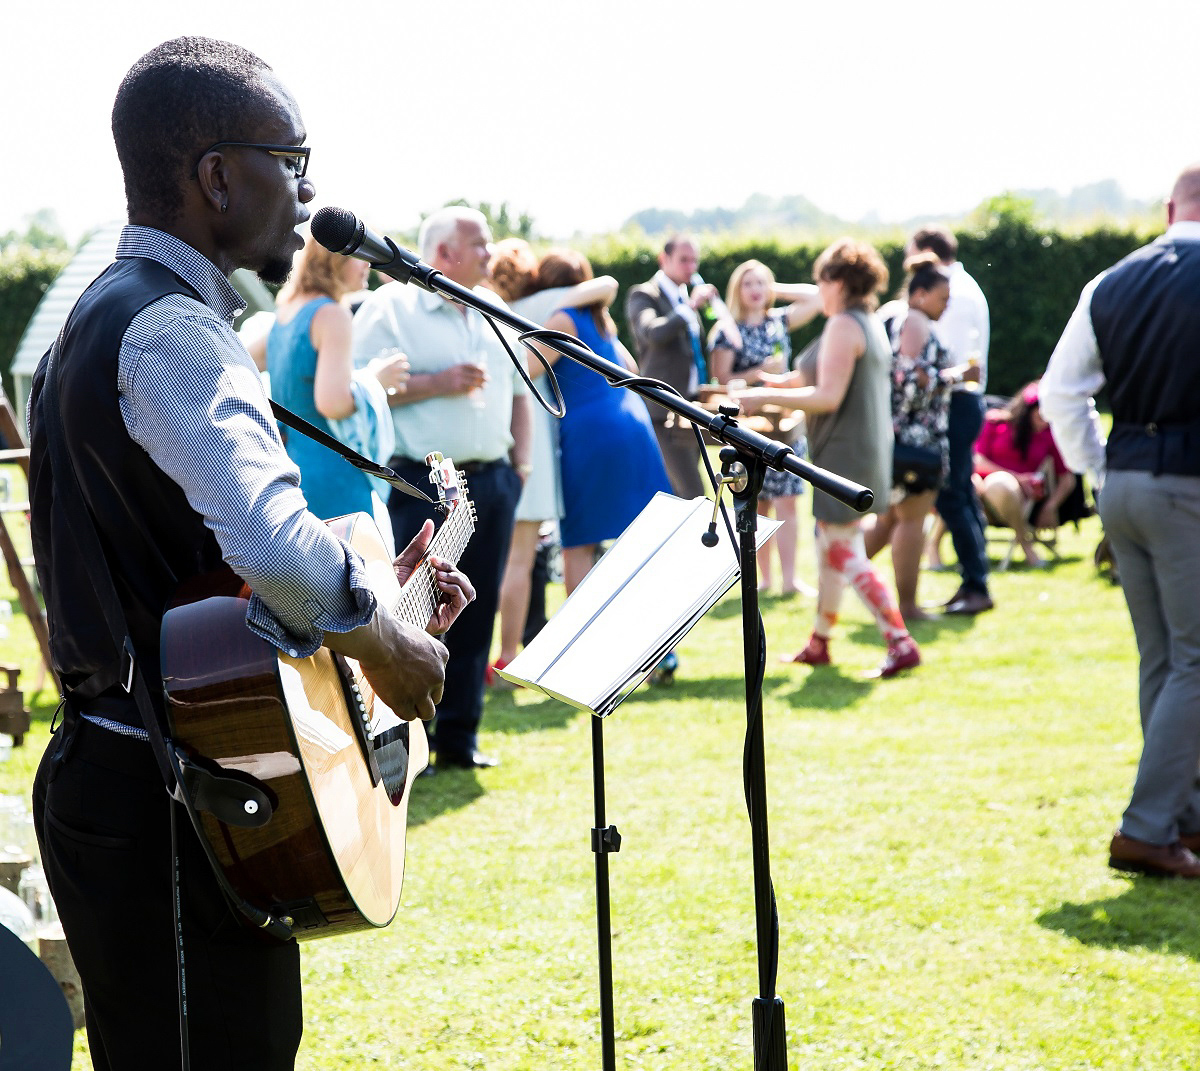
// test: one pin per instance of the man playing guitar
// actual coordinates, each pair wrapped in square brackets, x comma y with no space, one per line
[179,459]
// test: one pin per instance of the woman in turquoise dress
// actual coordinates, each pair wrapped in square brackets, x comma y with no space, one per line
[312,374]
[610,460]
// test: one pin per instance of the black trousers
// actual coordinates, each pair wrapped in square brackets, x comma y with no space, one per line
[102,816]
[956,501]
[495,490]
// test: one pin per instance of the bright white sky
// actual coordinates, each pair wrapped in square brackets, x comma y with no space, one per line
[582,114]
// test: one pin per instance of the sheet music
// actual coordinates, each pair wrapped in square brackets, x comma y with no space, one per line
[656,581]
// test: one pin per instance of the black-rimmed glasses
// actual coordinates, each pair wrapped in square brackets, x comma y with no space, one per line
[296,155]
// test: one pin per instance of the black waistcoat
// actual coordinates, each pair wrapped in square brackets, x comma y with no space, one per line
[1146,316]
[152,538]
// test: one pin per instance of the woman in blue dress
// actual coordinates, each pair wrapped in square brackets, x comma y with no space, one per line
[611,463]
[312,374]
[514,276]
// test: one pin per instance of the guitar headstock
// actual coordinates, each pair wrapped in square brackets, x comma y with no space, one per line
[447,479]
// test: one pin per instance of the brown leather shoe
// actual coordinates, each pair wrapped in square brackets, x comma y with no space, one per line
[1191,841]
[1158,860]
[970,603]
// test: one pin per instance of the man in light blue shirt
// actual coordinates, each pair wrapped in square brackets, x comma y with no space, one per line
[465,399]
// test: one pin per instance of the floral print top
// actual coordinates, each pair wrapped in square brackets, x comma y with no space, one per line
[920,397]
[759,342]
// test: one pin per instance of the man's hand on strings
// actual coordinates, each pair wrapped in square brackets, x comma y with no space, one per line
[455,590]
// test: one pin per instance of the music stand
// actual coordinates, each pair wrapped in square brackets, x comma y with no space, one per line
[635,604]
[745,458]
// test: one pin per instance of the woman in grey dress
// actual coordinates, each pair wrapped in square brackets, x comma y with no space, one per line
[843,386]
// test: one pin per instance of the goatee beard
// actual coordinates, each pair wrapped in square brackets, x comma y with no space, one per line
[275,272]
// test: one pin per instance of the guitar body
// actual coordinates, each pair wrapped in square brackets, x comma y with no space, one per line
[331,857]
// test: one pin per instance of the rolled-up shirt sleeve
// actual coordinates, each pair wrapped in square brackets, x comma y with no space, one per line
[1073,376]
[193,400]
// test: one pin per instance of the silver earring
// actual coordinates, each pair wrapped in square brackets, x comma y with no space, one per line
[224,206]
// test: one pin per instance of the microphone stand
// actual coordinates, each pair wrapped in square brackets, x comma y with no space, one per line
[745,459]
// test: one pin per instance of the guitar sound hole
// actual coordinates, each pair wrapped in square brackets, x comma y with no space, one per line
[391,755]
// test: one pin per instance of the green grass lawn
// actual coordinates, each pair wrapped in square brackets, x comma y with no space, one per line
[938,846]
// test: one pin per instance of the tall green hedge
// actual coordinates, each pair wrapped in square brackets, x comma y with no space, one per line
[1032,278]
[24,276]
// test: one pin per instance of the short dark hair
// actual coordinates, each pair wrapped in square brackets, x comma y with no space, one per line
[939,240]
[678,239]
[176,101]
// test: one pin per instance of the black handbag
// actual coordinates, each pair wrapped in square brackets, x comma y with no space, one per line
[916,468]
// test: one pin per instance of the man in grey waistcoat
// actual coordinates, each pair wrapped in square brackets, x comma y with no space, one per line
[1137,330]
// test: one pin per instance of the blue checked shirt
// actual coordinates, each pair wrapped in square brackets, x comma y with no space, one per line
[192,398]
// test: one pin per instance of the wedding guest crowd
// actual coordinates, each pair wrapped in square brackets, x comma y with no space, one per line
[920,389]
[857,394]
[964,329]
[516,277]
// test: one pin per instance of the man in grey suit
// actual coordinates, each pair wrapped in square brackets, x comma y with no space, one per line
[662,315]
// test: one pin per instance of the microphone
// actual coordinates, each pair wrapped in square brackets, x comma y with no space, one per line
[340,231]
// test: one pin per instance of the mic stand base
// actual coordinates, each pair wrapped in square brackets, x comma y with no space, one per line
[770,1040]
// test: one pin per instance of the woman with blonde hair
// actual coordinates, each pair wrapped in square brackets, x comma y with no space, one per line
[307,354]
[752,341]
[842,385]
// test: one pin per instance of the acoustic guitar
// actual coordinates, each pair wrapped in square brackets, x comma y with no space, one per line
[334,762]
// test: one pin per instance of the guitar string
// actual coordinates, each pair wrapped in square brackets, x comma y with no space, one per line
[420,595]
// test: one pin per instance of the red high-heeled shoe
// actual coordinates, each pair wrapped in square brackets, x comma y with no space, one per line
[815,653]
[901,655]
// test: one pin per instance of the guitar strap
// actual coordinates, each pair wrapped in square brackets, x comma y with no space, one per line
[298,423]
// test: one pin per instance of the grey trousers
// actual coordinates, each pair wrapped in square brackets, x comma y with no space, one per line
[1154,525]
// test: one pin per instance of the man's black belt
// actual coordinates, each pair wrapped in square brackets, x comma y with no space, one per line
[468,468]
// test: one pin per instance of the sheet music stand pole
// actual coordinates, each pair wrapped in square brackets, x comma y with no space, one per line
[605,839]
[770,1040]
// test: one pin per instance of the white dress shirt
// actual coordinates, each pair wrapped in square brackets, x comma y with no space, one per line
[1075,373]
[964,329]
[678,296]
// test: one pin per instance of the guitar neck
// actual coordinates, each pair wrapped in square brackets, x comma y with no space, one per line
[420,594]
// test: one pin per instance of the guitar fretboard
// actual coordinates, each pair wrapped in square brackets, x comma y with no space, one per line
[420,593]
